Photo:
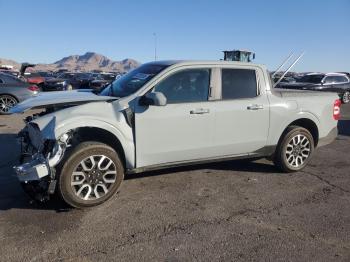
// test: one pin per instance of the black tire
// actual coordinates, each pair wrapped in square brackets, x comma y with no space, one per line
[282,158]
[346,97]
[73,160]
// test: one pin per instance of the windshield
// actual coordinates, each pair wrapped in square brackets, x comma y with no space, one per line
[133,81]
[83,76]
[315,79]
[44,74]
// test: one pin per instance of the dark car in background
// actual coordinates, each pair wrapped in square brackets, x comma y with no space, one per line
[38,78]
[331,82]
[68,81]
[14,90]
[30,77]
[101,80]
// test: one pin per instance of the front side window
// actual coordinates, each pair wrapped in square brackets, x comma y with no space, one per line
[190,85]
[238,83]
[1,81]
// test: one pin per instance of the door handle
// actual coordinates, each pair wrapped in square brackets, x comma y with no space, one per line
[199,111]
[255,107]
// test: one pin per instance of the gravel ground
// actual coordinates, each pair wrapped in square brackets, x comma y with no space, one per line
[231,211]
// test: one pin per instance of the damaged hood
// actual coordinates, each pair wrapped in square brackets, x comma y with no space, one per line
[75,97]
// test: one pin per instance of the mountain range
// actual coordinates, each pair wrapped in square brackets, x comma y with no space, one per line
[87,62]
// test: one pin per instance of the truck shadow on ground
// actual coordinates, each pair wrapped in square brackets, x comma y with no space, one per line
[232,165]
[344,127]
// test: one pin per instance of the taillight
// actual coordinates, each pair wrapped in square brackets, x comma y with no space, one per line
[33,88]
[336,109]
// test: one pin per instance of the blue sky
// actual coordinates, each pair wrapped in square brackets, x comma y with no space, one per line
[45,31]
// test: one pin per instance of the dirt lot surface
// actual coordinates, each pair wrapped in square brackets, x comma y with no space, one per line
[232,211]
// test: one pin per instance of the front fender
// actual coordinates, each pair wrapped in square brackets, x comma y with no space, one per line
[53,129]
[123,133]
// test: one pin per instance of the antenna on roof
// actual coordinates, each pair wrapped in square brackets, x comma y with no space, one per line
[289,68]
[155,46]
[284,62]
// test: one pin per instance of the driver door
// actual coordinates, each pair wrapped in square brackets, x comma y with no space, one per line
[183,129]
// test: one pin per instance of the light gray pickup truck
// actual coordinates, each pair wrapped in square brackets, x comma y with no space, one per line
[166,114]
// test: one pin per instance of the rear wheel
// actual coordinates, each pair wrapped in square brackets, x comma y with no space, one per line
[294,149]
[90,175]
[6,102]
[346,97]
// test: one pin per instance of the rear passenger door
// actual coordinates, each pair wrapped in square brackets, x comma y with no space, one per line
[242,112]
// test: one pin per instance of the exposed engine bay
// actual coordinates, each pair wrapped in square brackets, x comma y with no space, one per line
[39,157]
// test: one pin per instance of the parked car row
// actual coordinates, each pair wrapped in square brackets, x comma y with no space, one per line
[330,82]
[70,81]
[16,86]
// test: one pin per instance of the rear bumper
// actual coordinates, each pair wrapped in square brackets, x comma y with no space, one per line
[332,135]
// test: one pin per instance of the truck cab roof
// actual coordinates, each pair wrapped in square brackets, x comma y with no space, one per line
[203,62]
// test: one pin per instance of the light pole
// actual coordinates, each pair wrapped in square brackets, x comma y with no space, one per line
[155,46]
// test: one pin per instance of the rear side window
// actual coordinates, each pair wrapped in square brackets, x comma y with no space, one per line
[335,79]
[340,79]
[238,83]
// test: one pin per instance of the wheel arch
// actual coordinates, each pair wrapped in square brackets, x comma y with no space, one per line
[103,132]
[12,95]
[306,123]
[101,135]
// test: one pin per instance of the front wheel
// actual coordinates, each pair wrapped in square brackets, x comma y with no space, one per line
[346,97]
[90,175]
[294,149]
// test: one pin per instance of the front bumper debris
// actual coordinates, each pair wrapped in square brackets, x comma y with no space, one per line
[32,171]
[39,157]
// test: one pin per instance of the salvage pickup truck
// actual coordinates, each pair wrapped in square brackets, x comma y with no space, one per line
[165,114]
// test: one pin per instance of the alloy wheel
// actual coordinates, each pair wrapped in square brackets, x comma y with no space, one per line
[6,102]
[93,177]
[298,150]
[346,97]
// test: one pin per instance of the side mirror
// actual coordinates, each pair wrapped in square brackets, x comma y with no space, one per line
[153,99]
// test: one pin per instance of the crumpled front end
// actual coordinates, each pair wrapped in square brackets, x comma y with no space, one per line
[39,157]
